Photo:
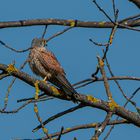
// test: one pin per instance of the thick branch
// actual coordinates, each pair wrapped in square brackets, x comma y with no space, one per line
[136,2]
[87,100]
[63,22]
[3,75]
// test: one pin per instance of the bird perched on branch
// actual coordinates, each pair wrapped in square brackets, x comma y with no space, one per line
[44,63]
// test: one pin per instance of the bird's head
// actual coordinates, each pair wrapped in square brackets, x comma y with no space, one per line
[38,42]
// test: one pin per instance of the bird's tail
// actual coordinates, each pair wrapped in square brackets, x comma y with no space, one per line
[67,87]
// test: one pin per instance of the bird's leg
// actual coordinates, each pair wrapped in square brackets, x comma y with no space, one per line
[45,79]
[53,88]
[48,76]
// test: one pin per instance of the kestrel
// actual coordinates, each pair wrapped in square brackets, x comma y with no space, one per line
[44,63]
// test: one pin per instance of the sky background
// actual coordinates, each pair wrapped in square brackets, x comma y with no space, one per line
[77,55]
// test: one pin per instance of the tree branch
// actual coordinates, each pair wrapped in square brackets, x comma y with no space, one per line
[102,126]
[58,115]
[136,2]
[92,80]
[63,22]
[86,126]
[84,99]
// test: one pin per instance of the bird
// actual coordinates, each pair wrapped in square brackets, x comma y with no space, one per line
[43,63]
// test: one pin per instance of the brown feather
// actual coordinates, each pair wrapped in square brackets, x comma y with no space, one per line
[44,62]
[51,62]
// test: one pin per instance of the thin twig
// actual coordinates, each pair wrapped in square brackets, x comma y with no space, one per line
[85,84]
[59,33]
[85,126]
[102,127]
[41,96]
[129,18]
[44,32]
[110,41]
[31,98]
[114,7]
[10,86]
[110,37]
[42,99]
[117,83]
[12,49]
[92,80]
[108,44]
[103,11]
[22,106]
[59,136]
[58,115]
[16,110]
[118,24]
[81,82]
[132,96]
[97,44]
[112,127]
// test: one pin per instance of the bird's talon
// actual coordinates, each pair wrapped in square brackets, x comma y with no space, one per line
[45,79]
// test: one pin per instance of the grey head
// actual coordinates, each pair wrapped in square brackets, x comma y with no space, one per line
[38,42]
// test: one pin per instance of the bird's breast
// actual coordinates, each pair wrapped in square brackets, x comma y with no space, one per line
[35,65]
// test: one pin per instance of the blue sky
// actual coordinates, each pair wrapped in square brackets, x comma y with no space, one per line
[77,56]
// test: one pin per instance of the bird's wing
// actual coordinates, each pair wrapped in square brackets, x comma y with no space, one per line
[51,64]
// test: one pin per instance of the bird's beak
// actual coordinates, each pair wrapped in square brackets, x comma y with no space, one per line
[45,42]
